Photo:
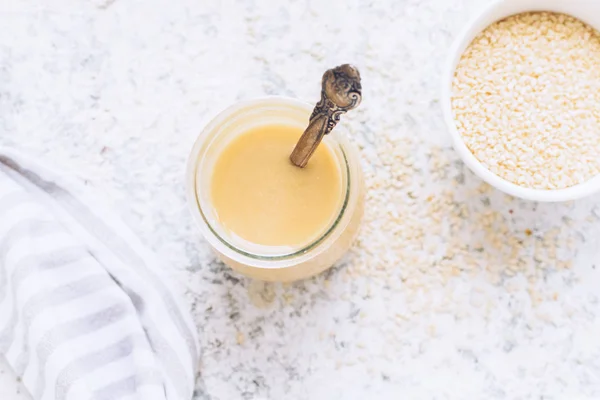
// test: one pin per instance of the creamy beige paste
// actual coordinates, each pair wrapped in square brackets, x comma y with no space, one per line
[260,196]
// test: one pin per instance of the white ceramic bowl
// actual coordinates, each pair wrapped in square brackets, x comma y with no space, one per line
[587,11]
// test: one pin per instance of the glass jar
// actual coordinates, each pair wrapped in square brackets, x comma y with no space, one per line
[273,263]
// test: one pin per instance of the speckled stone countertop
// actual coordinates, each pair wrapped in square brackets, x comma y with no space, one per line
[453,290]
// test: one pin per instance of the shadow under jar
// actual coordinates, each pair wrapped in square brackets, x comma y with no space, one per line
[264,262]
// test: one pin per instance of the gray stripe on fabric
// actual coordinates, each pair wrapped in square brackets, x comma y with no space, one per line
[129,385]
[111,240]
[42,261]
[78,327]
[68,330]
[19,231]
[35,263]
[50,298]
[160,346]
[71,330]
[89,363]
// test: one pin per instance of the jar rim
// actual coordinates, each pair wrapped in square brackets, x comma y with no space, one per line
[208,134]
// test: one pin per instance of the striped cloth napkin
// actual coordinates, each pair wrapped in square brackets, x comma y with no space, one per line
[84,311]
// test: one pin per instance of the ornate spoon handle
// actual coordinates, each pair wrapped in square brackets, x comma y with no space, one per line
[340,92]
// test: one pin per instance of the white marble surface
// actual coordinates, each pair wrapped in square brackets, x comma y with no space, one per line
[466,294]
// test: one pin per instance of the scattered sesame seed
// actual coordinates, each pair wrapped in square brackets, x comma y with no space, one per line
[239,338]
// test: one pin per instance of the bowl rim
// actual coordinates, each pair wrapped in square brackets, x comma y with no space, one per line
[462,40]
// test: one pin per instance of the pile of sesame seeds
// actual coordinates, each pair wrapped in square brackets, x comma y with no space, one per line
[526,96]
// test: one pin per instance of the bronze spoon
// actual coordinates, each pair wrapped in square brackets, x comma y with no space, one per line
[340,92]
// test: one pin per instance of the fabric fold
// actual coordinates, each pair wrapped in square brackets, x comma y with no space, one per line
[85,312]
